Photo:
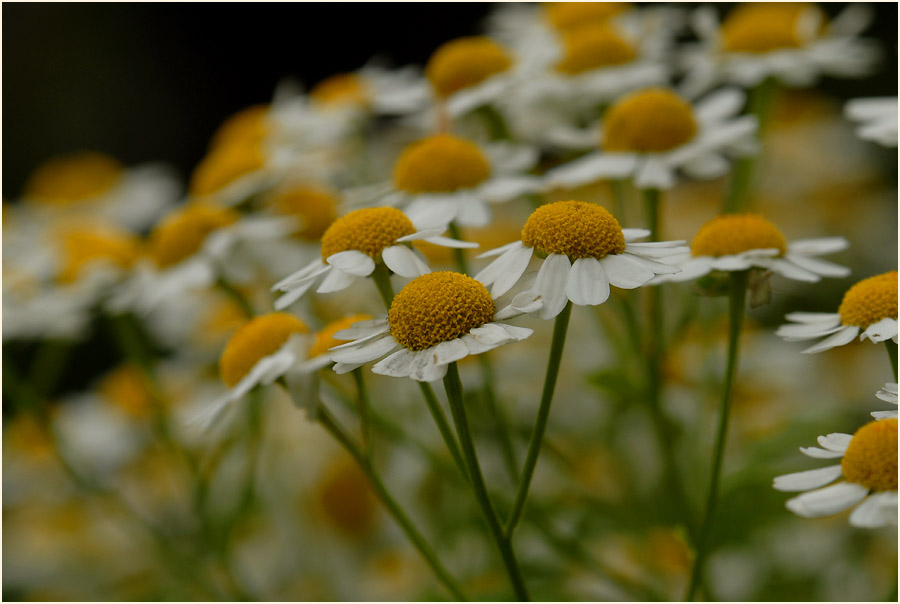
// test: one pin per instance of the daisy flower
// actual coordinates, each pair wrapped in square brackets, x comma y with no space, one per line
[887,394]
[877,119]
[354,244]
[434,320]
[869,468]
[583,251]
[444,178]
[790,42]
[649,134]
[319,354]
[739,242]
[868,310]
[373,89]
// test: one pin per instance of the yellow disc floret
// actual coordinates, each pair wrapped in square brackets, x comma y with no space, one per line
[465,62]
[440,163]
[730,234]
[650,120]
[223,165]
[341,89]
[258,338]
[438,307]
[564,15]
[871,456]
[82,246]
[592,46]
[758,27]
[73,178]
[126,387]
[870,301]
[316,208]
[576,229]
[368,230]
[325,339]
[246,127]
[182,232]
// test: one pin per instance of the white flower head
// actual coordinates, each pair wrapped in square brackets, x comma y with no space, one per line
[373,89]
[739,242]
[887,394]
[877,119]
[648,135]
[868,467]
[434,320]
[583,251]
[868,310]
[354,244]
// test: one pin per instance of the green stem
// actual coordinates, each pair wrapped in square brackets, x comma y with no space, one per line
[48,365]
[453,386]
[458,252]
[618,187]
[329,422]
[892,353]
[236,295]
[507,450]
[743,171]
[382,278]
[440,419]
[363,409]
[560,327]
[496,124]
[735,318]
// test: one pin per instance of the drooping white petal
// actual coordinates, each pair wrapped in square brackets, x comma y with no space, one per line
[513,268]
[396,365]
[505,188]
[818,453]
[844,336]
[827,501]
[515,332]
[810,479]
[587,284]
[591,168]
[352,262]
[295,294]
[499,250]
[361,329]
[473,211]
[706,166]
[447,242]
[878,509]
[419,235]
[884,414]
[551,284]
[432,211]
[369,351]
[626,272]
[486,337]
[835,441]
[632,234]
[814,317]
[719,105]
[736,262]
[424,366]
[880,331]
[817,265]
[523,303]
[805,331]
[335,281]
[818,246]
[448,352]
[404,261]
[653,173]
[314,268]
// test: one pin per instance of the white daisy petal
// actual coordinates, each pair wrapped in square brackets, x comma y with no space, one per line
[506,188]
[631,234]
[817,265]
[312,270]
[884,414]
[551,285]
[342,368]
[432,212]
[473,211]
[827,501]
[880,331]
[818,453]
[486,337]
[423,234]
[293,295]
[369,351]
[404,261]
[448,352]
[587,284]
[788,269]
[818,246]
[814,317]
[591,168]
[500,250]
[513,268]
[810,479]
[736,262]
[627,272]
[844,336]
[396,365]
[653,173]
[447,242]
[515,332]
[719,105]
[706,166]
[361,329]
[335,281]
[878,509]
[523,303]
[352,262]
[836,441]
[424,366]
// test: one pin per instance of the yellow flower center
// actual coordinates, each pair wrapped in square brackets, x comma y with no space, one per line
[73,178]
[325,339]
[341,89]
[223,165]
[260,337]
[82,246]
[246,127]
[465,62]
[650,120]
[730,234]
[563,15]
[438,307]
[870,301]
[126,388]
[440,163]
[576,229]
[316,209]
[871,457]
[368,230]
[758,27]
[182,232]
[592,46]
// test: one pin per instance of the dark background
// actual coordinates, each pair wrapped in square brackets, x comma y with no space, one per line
[152,81]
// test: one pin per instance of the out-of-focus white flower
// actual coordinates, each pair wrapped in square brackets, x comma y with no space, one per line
[877,119]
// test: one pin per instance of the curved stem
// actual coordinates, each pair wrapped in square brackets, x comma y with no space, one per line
[507,450]
[363,409]
[892,353]
[443,427]
[560,327]
[735,318]
[453,386]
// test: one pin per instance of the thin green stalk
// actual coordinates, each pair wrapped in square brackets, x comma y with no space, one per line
[560,327]
[440,419]
[507,451]
[453,387]
[329,422]
[496,123]
[618,187]
[458,252]
[382,278]
[363,409]
[236,295]
[743,171]
[892,353]
[736,305]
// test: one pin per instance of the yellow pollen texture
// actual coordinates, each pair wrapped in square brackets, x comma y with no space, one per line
[647,121]
[82,246]
[316,209]
[341,89]
[325,339]
[564,15]
[870,301]
[730,234]
[182,232]
[223,165]
[126,388]
[438,307]
[758,27]
[576,229]
[368,230]
[73,178]
[440,163]
[592,46]
[871,457]
[260,337]
[465,62]
[246,127]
